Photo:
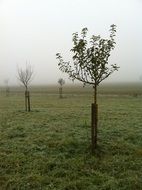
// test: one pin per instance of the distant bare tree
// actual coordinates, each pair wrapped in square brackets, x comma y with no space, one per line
[7,89]
[61,83]
[25,76]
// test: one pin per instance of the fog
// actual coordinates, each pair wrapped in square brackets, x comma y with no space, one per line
[34,31]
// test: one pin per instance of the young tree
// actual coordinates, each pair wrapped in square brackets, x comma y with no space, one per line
[25,76]
[61,83]
[90,66]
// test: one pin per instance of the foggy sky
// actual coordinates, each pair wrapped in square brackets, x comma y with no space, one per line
[35,30]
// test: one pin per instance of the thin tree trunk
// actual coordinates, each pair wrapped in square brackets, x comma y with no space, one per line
[60,92]
[28,98]
[95,94]
[94,115]
[94,121]
[7,91]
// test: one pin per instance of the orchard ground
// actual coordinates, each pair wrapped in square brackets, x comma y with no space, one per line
[49,147]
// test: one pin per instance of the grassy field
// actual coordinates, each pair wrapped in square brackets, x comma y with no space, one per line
[49,148]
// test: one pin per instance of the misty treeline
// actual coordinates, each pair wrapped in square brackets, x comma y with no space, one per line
[90,65]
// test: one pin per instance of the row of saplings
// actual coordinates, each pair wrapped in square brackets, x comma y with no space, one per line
[89,65]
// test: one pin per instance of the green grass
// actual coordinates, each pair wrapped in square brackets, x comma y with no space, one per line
[49,148]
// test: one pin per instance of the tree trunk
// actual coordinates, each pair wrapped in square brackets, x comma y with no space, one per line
[7,91]
[60,92]
[28,101]
[94,121]
[25,100]
[94,126]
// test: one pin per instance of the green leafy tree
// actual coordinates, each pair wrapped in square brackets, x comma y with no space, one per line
[90,66]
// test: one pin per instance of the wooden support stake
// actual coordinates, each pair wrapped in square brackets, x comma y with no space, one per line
[94,126]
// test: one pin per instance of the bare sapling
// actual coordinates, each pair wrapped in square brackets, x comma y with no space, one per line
[25,76]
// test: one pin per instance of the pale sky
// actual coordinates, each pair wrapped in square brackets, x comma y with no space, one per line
[35,30]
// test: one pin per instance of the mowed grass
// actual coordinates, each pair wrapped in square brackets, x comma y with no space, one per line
[49,148]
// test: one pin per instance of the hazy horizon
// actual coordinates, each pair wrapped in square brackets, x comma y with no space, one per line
[34,31]
[74,84]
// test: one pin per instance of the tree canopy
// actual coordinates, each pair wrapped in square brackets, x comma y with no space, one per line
[90,59]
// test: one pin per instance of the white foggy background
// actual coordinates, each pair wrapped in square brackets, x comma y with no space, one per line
[35,30]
